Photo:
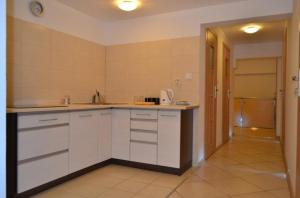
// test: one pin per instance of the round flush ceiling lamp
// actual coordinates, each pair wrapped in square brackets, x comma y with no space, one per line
[128,5]
[251,29]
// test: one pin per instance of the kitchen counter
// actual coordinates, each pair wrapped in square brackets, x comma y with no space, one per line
[78,107]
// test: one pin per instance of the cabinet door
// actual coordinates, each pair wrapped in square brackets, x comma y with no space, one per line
[169,138]
[84,136]
[105,135]
[120,134]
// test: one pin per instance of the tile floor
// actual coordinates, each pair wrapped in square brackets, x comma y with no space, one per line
[243,168]
[255,132]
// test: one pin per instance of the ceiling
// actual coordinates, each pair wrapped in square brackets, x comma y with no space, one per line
[271,31]
[107,11]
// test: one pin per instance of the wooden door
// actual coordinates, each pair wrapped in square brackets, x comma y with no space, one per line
[282,92]
[226,93]
[210,94]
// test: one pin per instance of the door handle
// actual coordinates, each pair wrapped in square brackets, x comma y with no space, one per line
[215,91]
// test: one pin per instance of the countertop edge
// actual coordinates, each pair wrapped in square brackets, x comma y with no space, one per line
[99,107]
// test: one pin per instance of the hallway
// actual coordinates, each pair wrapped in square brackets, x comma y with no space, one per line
[243,168]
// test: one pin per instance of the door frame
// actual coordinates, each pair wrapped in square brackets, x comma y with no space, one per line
[207,133]
[226,93]
[3,99]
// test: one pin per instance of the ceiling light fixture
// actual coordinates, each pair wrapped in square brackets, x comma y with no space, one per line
[251,29]
[128,5]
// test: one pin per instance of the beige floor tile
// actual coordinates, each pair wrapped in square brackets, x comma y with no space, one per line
[146,176]
[153,191]
[169,181]
[268,167]
[234,186]
[175,195]
[267,181]
[199,190]
[131,186]
[115,193]
[118,171]
[240,170]
[281,193]
[56,193]
[212,173]
[83,189]
[104,181]
[255,195]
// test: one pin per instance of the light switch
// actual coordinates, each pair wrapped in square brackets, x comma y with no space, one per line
[188,76]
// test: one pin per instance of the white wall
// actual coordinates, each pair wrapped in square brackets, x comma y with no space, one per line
[257,50]
[291,111]
[2,98]
[186,23]
[60,17]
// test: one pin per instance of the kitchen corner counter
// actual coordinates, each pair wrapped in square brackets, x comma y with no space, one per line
[81,107]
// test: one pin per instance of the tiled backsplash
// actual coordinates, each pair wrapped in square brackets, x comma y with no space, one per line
[143,69]
[45,65]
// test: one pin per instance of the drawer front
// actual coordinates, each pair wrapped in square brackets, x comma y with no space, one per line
[144,114]
[42,141]
[39,120]
[38,172]
[143,153]
[143,136]
[149,125]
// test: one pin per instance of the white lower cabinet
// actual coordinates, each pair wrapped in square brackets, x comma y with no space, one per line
[84,136]
[121,134]
[105,135]
[169,138]
[143,152]
[40,171]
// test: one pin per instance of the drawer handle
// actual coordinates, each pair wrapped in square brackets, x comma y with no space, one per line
[143,114]
[85,116]
[143,142]
[105,113]
[47,120]
[171,116]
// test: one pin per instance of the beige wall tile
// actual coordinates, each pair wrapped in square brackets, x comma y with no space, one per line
[45,65]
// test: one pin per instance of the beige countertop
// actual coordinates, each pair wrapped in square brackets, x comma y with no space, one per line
[80,107]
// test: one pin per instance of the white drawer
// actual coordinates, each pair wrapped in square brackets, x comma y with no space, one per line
[144,114]
[149,125]
[41,171]
[42,141]
[143,152]
[143,136]
[38,120]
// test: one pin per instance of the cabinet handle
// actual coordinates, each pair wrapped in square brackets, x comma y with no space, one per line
[47,120]
[143,142]
[85,116]
[143,114]
[172,116]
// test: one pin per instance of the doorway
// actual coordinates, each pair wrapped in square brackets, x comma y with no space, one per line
[226,94]
[210,94]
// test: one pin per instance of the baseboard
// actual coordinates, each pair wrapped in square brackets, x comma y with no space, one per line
[164,169]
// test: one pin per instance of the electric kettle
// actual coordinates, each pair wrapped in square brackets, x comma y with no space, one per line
[166,96]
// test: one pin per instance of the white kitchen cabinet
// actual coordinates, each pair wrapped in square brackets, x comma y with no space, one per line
[121,134]
[84,136]
[143,152]
[169,138]
[105,136]
[42,170]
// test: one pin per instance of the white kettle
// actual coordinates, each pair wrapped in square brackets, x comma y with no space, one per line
[166,96]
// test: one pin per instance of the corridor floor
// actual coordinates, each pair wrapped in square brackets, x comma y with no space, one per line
[243,168]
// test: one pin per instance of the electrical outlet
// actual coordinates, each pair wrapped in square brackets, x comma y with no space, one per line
[188,76]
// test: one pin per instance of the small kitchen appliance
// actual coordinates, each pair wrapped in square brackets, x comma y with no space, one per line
[166,96]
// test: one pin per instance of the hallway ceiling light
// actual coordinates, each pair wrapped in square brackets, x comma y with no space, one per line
[128,5]
[251,29]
